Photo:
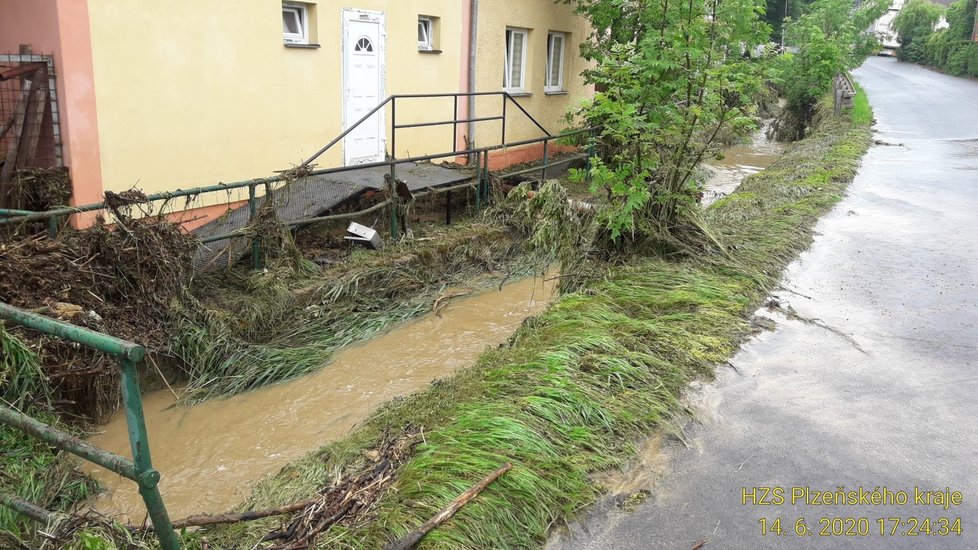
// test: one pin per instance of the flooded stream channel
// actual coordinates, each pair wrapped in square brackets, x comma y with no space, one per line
[739,161]
[211,454]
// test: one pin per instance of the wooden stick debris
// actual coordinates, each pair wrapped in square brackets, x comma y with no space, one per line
[216,519]
[414,537]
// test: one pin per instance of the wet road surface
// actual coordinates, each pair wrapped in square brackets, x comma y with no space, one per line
[893,404]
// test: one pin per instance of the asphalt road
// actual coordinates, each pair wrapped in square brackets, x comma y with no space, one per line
[894,404]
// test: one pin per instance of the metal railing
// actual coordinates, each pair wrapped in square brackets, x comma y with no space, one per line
[481,183]
[140,468]
[843,92]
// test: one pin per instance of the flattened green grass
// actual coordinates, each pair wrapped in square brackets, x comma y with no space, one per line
[861,111]
[573,387]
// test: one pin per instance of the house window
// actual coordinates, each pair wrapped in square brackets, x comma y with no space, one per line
[514,75]
[556,42]
[426,33]
[295,24]
[363,45]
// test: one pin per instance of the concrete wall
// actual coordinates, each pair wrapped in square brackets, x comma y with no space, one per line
[60,28]
[192,93]
[540,17]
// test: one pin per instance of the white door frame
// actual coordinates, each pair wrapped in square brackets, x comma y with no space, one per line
[353,14]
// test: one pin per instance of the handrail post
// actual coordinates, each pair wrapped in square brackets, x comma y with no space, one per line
[139,442]
[395,201]
[455,126]
[256,260]
[393,130]
[543,175]
[505,100]
[478,187]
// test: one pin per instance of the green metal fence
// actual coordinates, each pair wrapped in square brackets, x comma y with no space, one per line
[140,468]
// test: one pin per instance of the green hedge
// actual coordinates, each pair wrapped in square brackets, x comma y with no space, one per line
[949,49]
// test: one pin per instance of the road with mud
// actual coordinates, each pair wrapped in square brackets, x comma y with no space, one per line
[828,425]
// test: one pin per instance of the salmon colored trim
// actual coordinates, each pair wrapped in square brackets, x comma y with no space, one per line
[76,97]
[194,218]
[531,153]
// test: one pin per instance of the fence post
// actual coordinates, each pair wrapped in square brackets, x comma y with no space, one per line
[505,98]
[543,174]
[448,208]
[256,260]
[139,442]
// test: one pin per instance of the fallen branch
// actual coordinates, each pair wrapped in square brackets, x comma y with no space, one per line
[216,519]
[414,537]
[442,301]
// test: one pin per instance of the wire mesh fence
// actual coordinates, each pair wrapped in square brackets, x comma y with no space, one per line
[30,136]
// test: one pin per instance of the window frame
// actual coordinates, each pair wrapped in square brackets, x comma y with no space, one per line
[302,12]
[511,33]
[548,85]
[429,28]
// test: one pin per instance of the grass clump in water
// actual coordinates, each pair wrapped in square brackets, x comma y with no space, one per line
[254,329]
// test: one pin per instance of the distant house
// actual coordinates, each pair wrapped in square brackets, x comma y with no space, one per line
[883,27]
[182,93]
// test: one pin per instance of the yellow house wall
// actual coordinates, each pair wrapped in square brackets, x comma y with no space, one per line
[540,17]
[191,93]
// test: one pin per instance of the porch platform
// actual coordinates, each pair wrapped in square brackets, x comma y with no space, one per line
[314,196]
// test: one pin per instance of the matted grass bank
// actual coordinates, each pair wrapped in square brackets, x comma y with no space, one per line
[569,391]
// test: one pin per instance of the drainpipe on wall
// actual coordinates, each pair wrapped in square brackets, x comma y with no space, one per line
[473,37]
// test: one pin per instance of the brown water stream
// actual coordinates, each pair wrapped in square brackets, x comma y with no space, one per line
[211,454]
[739,161]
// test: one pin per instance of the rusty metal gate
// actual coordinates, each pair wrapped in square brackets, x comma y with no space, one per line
[30,130]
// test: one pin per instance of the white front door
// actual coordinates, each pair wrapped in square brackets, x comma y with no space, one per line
[363,85]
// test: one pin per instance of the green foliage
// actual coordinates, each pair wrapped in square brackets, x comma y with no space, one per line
[914,52]
[861,112]
[90,540]
[831,39]
[778,10]
[950,49]
[30,469]
[961,20]
[22,382]
[914,26]
[957,61]
[671,77]
[971,57]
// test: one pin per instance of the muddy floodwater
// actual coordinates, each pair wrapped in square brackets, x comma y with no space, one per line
[739,161]
[211,454]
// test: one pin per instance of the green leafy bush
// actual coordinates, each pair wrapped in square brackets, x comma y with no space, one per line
[831,39]
[672,78]
[951,49]
[914,26]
